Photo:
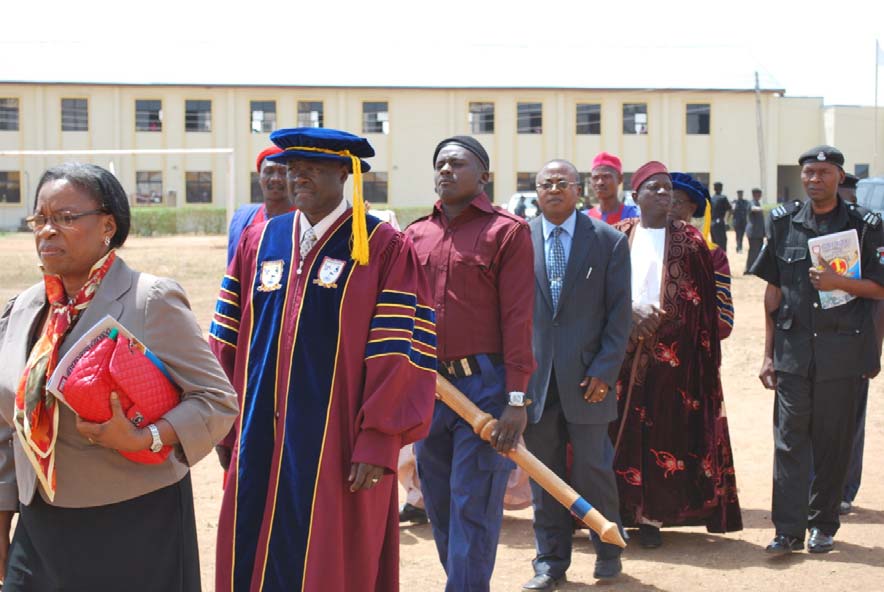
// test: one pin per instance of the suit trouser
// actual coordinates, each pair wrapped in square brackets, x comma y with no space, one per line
[755,245]
[463,480]
[719,236]
[814,425]
[855,470]
[739,230]
[592,476]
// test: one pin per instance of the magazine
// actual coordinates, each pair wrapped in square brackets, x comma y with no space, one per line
[91,338]
[841,251]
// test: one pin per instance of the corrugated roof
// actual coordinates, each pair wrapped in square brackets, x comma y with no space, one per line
[386,66]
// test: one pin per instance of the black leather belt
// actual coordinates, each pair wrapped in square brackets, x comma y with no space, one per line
[467,366]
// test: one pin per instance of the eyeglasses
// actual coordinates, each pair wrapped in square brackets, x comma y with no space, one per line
[58,219]
[560,185]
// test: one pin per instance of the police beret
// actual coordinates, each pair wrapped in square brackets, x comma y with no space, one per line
[320,143]
[849,181]
[822,153]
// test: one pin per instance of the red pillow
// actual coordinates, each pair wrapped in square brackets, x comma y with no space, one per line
[146,391]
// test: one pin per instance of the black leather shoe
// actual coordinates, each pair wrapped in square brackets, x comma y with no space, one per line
[542,582]
[820,542]
[606,569]
[649,536]
[783,544]
[844,508]
[410,513]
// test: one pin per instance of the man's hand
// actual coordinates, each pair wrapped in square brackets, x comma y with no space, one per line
[767,375]
[117,433]
[510,426]
[364,476]
[823,277]
[596,389]
[646,318]
[224,453]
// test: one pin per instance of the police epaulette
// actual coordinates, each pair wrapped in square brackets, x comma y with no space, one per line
[785,209]
[868,217]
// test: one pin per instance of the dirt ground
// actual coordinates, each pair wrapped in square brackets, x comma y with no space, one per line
[690,559]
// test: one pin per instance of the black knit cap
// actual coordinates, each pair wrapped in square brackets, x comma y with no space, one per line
[468,142]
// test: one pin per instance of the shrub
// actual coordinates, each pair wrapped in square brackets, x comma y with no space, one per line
[154,221]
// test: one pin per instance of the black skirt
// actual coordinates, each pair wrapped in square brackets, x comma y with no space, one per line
[145,544]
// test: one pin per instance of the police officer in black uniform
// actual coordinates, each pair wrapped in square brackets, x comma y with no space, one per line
[816,358]
[720,207]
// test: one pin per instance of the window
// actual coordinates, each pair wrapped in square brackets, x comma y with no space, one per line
[489,187]
[635,118]
[256,195]
[375,117]
[702,178]
[530,118]
[481,118]
[589,119]
[148,187]
[374,187]
[861,171]
[197,116]
[74,115]
[697,118]
[198,186]
[9,115]
[310,114]
[263,116]
[627,183]
[148,116]
[526,181]
[10,187]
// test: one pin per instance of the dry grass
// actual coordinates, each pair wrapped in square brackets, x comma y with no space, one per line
[690,558]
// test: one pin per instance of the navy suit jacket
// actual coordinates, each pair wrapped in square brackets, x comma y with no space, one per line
[588,333]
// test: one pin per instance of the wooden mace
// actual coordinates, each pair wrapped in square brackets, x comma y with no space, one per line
[483,424]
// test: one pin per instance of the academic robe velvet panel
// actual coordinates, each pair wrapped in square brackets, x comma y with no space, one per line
[334,366]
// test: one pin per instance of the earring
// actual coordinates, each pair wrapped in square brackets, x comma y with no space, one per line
[107,241]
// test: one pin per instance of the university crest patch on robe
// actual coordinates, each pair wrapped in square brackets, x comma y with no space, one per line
[271,275]
[329,272]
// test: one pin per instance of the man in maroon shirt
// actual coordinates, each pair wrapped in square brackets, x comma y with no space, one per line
[478,259]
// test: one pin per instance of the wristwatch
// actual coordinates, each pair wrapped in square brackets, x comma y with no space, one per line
[157,444]
[516,399]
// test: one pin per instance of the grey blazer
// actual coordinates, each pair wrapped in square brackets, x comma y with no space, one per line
[587,335]
[157,312]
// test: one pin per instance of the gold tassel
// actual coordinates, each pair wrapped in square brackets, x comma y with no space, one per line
[707,226]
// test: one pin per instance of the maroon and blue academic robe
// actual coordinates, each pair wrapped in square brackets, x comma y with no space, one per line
[334,366]
[674,463]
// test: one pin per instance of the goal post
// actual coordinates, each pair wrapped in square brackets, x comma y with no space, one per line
[230,201]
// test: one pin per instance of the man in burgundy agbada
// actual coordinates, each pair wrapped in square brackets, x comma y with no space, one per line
[673,457]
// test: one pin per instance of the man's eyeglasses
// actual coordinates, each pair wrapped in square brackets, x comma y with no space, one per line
[560,185]
[58,219]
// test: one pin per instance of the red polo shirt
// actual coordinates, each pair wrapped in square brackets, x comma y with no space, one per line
[480,267]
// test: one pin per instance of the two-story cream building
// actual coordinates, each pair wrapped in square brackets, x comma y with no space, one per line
[713,123]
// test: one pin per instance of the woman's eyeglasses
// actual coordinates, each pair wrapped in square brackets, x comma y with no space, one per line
[58,219]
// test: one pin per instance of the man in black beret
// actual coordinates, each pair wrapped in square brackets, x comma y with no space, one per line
[818,353]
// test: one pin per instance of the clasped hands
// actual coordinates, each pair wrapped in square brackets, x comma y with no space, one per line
[646,319]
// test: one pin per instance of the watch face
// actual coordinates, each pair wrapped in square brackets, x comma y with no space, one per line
[517,399]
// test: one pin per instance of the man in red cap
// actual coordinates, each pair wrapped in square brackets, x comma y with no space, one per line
[673,457]
[276,200]
[607,175]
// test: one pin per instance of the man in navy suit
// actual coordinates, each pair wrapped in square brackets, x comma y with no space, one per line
[582,321]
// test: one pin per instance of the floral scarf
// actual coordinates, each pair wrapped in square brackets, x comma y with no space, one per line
[36,410]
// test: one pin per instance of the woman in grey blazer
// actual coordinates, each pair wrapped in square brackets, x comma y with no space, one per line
[90,519]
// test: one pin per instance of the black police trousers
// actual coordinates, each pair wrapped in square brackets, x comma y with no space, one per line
[814,426]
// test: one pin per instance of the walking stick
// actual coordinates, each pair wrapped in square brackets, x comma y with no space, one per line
[633,371]
[483,424]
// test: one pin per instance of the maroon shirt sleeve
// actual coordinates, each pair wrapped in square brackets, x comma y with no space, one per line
[516,293]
